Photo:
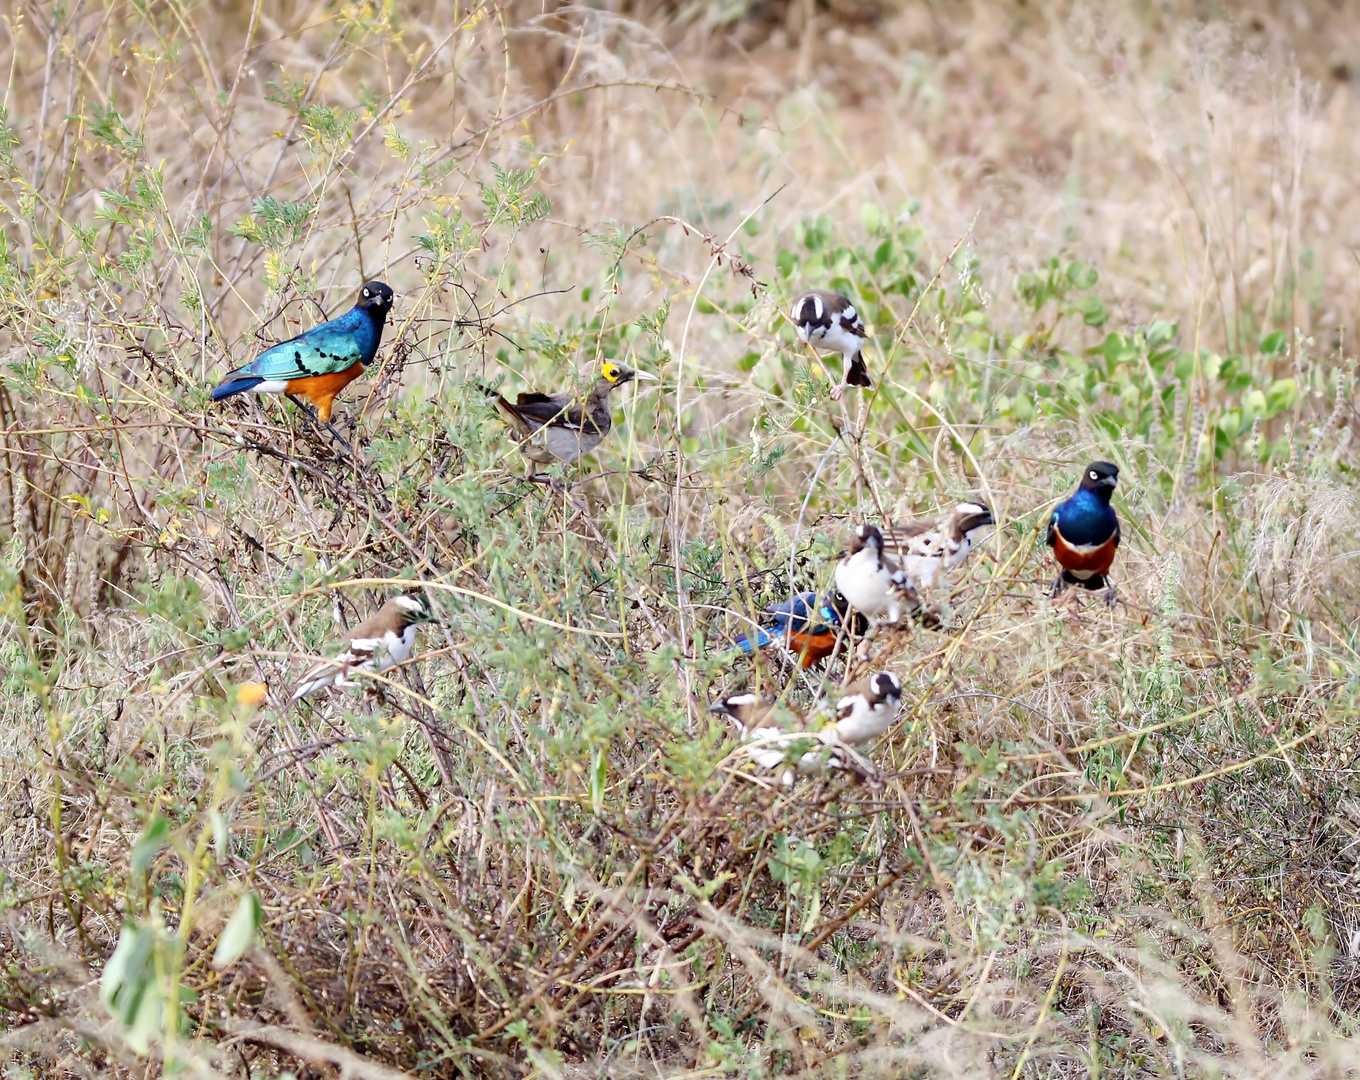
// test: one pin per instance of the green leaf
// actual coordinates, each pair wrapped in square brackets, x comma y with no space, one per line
[1273,343]
[127,971]
[1081,276]
[155,837]
[221,834]
[1091,309]
[240,933]
[1282,395]
[1160,332]
[599,777]
[129,989]
[512,200]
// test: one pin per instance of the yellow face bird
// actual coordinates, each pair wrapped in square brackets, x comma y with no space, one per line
[563,427]
[618,374]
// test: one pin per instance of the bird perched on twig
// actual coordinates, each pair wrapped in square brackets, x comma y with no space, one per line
[565,427]
[376,644]
[808,626]
[776,738]
[828,321]
[316,365]
[923,548]
[874,584]
[1084,532]
[864,710]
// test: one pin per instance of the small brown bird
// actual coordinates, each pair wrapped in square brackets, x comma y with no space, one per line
[777,738]
[874,584]
[829,321]
[865,709]
[376,644]
[923,548]
[565,427]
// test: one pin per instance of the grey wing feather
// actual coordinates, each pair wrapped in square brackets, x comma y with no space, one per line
[556,409]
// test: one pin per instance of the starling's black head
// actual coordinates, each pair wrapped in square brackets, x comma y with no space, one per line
[866,536]
[1100,477]
[375,298]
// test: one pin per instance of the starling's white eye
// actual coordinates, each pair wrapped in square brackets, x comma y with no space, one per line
[367,293]
[1093,475]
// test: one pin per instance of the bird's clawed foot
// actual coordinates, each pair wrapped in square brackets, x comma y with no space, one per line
[1057,588]
[837,391]
[1110,597]
[311,414]
[552,483]
[339,438]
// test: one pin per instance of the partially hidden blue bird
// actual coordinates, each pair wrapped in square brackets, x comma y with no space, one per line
[316,365]
[1084,532]
[808,626]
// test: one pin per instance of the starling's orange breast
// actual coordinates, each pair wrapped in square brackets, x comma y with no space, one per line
[812,648]
[320,390]
[1094,559]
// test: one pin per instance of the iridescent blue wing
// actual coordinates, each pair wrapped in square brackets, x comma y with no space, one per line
[796,611]
[323,350]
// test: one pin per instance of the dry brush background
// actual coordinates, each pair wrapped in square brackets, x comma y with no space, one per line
[1105,844]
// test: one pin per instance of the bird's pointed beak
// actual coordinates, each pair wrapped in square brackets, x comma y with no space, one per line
[646,375]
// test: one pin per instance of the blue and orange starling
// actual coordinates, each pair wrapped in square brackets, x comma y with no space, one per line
[1084,532]
[317,364]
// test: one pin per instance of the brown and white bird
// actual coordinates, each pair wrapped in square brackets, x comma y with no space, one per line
[921,549]
[376,644]
[864,710]
[828,321]
[776,738]
[565,427]
[873,583]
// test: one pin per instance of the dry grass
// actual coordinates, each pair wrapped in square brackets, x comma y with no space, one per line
[1103,844]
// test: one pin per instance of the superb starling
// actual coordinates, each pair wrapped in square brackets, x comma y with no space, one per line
[1084,532]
